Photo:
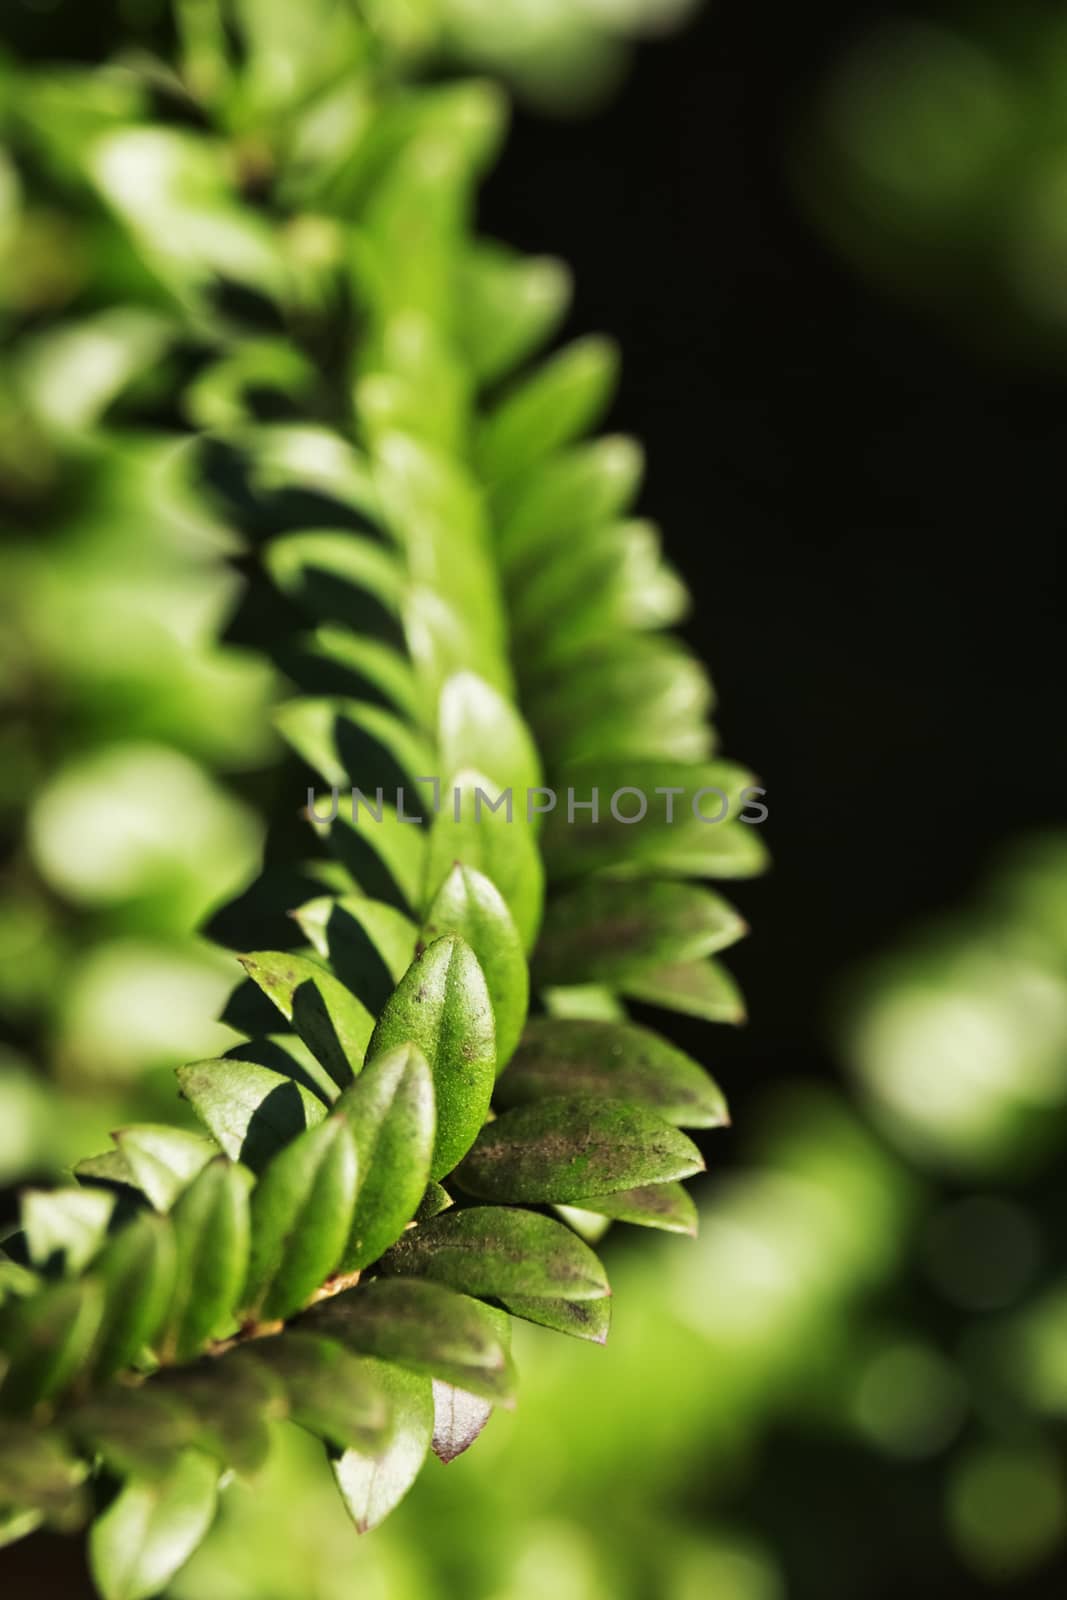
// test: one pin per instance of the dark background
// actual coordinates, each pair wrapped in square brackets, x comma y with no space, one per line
[869,513]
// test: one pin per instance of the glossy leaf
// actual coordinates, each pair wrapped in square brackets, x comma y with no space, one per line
[667,1206]
[152,1527]
[582,1319]
[252,1111]
[390,1111]
[442,1006]
[301,1213]
[326,1015]
[619,1060]
[163,1160]
[469,905]
[567,1148]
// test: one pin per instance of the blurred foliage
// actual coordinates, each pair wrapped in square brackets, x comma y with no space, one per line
[935,158]
[877,1318]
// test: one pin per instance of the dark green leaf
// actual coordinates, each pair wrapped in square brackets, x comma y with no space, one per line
[371,1484]
[468,904]
[617,1060]
[434,1201]
[368,944]
[442,1005]
[335,1395]
[426,1328]
[252,1111]
[606,931]
[390,1110]
[496,1251]
[697,988]
[211,1231]
[583,1319]
[152,1528]
[565,1149]
[326,1015]
[232,1402]
[301,1215]
[667,1206]
[136,1431]
[36,1471]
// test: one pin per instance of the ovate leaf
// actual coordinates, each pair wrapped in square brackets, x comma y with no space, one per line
[468,904]
[65,1225]
[496,1251]
[137,1271]
[667,1206]
[426,1328]
[607,931]
[372,1483]
[617,1060]
[335,1395]
[582,1319]
[152,1527]
[163,1160]
[46,1338]
[301,1215]
[697,988]
[442,1006]
[568,1148]
[252,1111]
[390,1110]
[326,1015]
[211,1232]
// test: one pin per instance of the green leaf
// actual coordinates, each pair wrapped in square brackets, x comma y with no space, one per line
[369,944]
[458,1419]
[582,1319]
[289,1057]
[136,1431]
[434,1201]
[667,1206]
[232,1403]
[390,1110]
[353,742]
[334,660]
[37,1471]
[164,1160]
[65,1224]
[559,500]
[493,1251]
[571,1147]
[46,1339]
[506,305]
[468,831]
[617,1060]
[541,413]
[339,576]
[442,1006]
[301,1216]
[697,988]
[326,1015]
[252,1111]
[151,1528]
[478,729]
[469,905]
[386,856]
[371,1484]
[211,1230]
[426,1328]
[606,931]
[335,1395]
[137,1270]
